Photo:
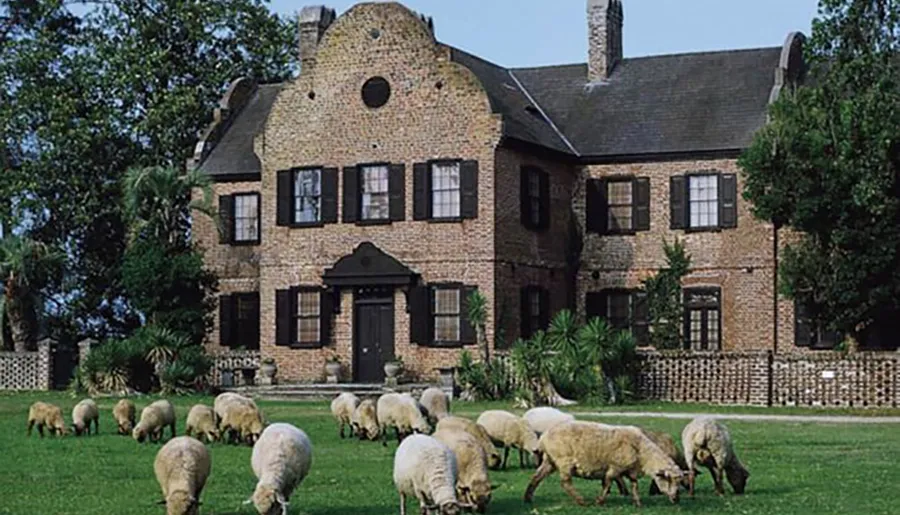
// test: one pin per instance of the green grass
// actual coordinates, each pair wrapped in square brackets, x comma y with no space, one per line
[795,467]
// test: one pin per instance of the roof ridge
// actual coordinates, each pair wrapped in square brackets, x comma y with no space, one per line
[705,52]
[543,113]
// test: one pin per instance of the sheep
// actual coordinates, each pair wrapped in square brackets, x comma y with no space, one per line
[509,431]
[182,467]
[45,414]
[342,407]
[202,421]
[83,414]
[154,418]
[365,420]
[238,417]
[281,459]
[473,485]
[426,468]
[592,451]
[708,442]
[402,412]
[123,412]
[463,424]
[436,404]
[542,418]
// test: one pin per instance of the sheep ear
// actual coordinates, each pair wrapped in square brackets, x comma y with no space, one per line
[160,502]
[249,501]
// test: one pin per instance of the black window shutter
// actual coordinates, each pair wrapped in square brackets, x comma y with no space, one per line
[802,326]
[283,317]
[397,191]
[727,200]
[545,200]
[677,202]
[466,329]
[226,320]
[595,305]
[326,314]
[596,206]
[525,328]
[468,191]
[226,218]
[524,203]
[641,203]
[640,315]
[544,295]
[350,205]
[329,195]
[421,191]
[419,314]
[254,298]
[285,193]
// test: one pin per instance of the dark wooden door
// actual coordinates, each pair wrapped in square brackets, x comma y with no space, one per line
[373,338]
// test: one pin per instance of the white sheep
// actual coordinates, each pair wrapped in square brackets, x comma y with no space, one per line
[592,451]
[154,418]
[708,442]
[473,486]
[510,432]
[365,420]
[426,468]
[238,417]
[542,418]
[342,407]
[202,421]
[281,459]
[453,422]
[436,404]
[402,412]
[123,413]
[83,414]
[182,467]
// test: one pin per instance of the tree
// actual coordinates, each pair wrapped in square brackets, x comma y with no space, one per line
[26,267]
[827,165]
[664,297]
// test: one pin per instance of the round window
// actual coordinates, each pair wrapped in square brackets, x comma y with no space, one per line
[376,92]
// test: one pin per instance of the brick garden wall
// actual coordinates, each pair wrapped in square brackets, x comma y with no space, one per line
[27,370]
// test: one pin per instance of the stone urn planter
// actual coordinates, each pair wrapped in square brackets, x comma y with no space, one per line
[392,371]
[267,371]
[332,371]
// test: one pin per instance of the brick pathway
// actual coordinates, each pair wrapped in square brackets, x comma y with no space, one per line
[820,419]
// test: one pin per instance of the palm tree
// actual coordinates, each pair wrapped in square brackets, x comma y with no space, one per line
[26,267]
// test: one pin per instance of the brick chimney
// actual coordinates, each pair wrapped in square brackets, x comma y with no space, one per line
[314,21]
[605,19]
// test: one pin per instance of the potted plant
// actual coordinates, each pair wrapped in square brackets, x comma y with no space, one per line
[268,369]
[393,367]
[333,365]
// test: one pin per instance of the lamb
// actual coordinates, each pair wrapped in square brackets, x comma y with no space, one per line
[402,413]
[202,421]
[542,418]
[436,404]
[238,417]
[591,451]
[708,442]
[45,414]
[281,459]
[473,485]
[463,424]
[154,418]
[182,467]
[343,407]
[365,420]
[426,468]
[123,412]
[509,431]
[83,414]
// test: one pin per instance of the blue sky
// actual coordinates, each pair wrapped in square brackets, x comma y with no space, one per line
[540,32]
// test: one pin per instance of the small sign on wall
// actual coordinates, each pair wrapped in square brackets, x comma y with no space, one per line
[828,374]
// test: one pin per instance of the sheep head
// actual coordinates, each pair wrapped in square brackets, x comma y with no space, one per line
[478,494]
[268,500]
[78,428]
[181,503]
[139,434]
[668,480]
[421,426]
[737,477]
[125,427]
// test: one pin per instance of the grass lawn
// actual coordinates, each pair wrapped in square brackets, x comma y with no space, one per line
[795,468]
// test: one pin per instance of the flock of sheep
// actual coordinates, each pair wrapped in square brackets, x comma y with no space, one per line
[442,459]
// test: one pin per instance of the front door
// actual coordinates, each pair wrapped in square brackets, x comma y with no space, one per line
[373,334]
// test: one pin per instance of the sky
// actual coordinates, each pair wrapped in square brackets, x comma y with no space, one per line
[516,33]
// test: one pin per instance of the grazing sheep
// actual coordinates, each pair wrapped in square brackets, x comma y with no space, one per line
[509,431]
[44,414]
[83,414]
[708,442]
[542,418]
[280,460]
[123,412]
[154,418]
[472,484]
[452,422]
[202,421]
[342,407]
[365,420]
[591,451]
[436,404]
[182,467]
[238,417]
[426,468]
[402,412]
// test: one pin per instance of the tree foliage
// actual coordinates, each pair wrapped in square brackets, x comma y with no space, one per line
[26,267]
[664,297]
[827,166]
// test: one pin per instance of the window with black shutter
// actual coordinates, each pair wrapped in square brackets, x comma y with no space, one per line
[618,205]
[809,333]
[449,322]
[374,193]
[307,197]
[350,195]
[535,198]
[535,310]
[239,320]
[303,316]
[419,305]
[226,218]
[702,319]
[703,201]
[445,190]
[245,219]
[623,309]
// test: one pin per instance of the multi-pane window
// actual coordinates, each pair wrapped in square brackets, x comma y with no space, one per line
[702,316]
[534,198]
[620,207]
[703,199]
[618,309]
[534,310]
[246,217]
[375,195]
[445,199]
[447,314]
[307,316]
[247,315]
[307,196]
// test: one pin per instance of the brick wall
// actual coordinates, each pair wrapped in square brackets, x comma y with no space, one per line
[27,370]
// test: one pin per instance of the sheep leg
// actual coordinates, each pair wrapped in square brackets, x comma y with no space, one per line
[565,479]
[521,458]
[505,457]
[604,491]
[397,432]
[634,492]
[692,476]
[173,429]
[654,490]
[342,430]
[384,436]
[402,504]
[717,477]
[621,486]
[30,425]
[41,430]
[547,467]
